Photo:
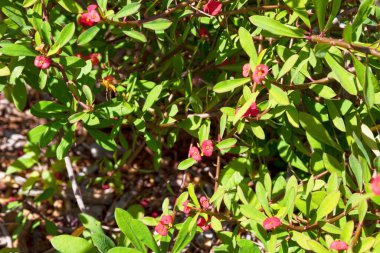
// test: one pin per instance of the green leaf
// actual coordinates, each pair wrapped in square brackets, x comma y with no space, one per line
[4,70]
[233,173]
[301,239]
[19,95]
[28,3]
[66,142]
[288,65]
[102,139]
[88,35]
[317,247]
[357,170]
[335,116]
[135,231]
[216,224]
[129,9]
[226,144]
[328,204]
[262,197]
[315,128]
[136,35]
[64,37]
[185,164]
[17,50]
[70,244]
[362,13]
[193,196]
[280,96]
[102,4]
[334,11]
[70,5]
[185,235]
[323,91]
[320,8]
[152,97]
[22,163]
[292,115]
[244,108]
[88,93]
[345,78]
[158,24]
[48,109]
[102,242]
[252,213]
[347,231]
[91,223]
[123,250]
[229,85]
[275,27]
[246,43]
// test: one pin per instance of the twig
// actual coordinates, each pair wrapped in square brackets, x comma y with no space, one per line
[343,44]
[74,185]
[217,172]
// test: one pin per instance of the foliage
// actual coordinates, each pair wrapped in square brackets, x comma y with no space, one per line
[296,138]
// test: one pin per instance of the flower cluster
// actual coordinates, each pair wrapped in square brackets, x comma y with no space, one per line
[91,17]
[258,75]
[42,62]
[165,224]
[212,7]
[207,149]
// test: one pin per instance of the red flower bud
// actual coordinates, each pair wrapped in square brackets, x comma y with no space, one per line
[203,32]
[194,153]
[271,223]
[338,245]
[42,62]
[375,185]
[202,223]
[260,73]
[207,147]
[204,202]
[212,7]
[166,219]
[161,229]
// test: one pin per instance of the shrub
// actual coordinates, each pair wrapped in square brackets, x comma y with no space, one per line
[280,100]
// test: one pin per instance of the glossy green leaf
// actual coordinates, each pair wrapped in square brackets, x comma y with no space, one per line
[328,204]
[136,35]
[102,139]
[159,24]
[64,37]
[246,43]
[280,96]
[152,97]
[229,85]
[317,247]
[70,244]
[226,144]
[88,35]
[313,127]
[345,78]
[185,235]
[70,5]
[185,164]
[320,9]
[276,27]
[19,95]
[129,9]
[17,50]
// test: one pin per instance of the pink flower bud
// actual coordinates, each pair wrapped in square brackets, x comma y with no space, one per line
[194,153]
[375,185]
[260,73]
[207,147]
[161,229]
[186,208]
[271,223]
[212,7]
[42,62]
[338,245]
[166,219]
[246,69]
[204,202]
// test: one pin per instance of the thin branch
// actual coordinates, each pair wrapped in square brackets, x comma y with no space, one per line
[74,185]
[343,44]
